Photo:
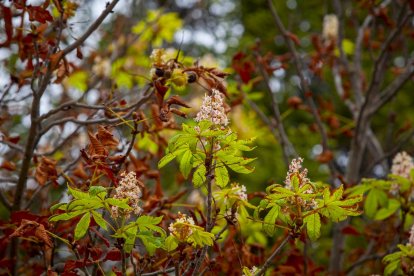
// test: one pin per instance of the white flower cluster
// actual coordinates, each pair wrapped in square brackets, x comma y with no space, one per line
[295,168]
[212,109]
[330,26]
[240,191]
[181,227]
[128,188]
[411,239]
[402,164]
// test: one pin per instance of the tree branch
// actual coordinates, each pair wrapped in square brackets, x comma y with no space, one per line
[269,260]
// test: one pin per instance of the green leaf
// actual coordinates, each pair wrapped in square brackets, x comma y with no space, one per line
[122,203]
[150,242]
[371,203]
[221,175]
[66,216]
[270,220]
[77,194]
[383,213]
[130,236]
[150,223]
[85,204]
[200,238]
[99,220]
[58,206]
[348,46]
[313,226]
[166,159]
[78,80]
[82,226]
[185,162]
[394,262]
[171,243]
[199,176]
[95,190]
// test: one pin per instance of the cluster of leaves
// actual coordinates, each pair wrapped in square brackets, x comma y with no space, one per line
[194,143]
[95,203]
[386,200]
[303,205]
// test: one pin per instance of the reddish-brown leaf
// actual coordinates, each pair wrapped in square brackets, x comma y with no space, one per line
[55,59]
[39,14]
[113,255]
[325,156]
[294,102]
[96,146]
[106,138]
[39,232]
[8,165]
[46,170]
[350,230]
[176,100]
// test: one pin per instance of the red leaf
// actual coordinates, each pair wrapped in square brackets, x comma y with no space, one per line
[350,230]
[113,255]
[39,14]
[13,139]
[325,156]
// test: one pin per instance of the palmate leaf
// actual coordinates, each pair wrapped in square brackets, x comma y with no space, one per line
[313,226]
[85,204]
[336,209]
[146,223]
[150,242]
[200,238]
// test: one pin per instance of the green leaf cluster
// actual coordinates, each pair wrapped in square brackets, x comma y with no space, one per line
[198,238]
[87,204]
[194,145]
[93,203]
[394,261]
[303,206]
[147,230]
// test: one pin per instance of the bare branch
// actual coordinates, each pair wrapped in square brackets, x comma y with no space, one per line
[269,260]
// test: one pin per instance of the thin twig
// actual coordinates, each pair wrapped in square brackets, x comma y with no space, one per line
[158,272]
[287,147]
[307,93]
[273,255]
